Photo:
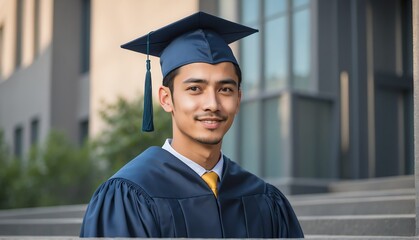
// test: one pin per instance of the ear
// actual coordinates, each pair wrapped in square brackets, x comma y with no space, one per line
[165,99]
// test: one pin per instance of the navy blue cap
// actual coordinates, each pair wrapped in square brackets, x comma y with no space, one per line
[200,37]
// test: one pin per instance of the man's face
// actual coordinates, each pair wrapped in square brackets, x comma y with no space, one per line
[205,101]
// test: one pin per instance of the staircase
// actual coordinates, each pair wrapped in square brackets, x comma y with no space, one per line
[42,221]
[364,209]
[376,207]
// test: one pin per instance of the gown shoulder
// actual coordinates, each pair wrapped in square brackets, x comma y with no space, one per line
[120,208]
[289,224]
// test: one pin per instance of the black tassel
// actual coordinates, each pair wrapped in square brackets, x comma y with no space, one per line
[148,125]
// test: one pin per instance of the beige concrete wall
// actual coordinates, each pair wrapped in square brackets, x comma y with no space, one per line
[24,91]
[66,67]
[28,33]
[8,23]
[49,87]
[45,29]
[118,72]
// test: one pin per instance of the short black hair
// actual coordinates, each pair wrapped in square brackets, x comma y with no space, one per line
[168,80]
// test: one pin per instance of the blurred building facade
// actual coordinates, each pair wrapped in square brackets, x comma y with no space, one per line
[327,85]
[328,91]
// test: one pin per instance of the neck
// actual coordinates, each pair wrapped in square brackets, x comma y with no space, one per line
[206,155]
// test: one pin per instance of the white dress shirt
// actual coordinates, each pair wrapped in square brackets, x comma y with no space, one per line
[218,168]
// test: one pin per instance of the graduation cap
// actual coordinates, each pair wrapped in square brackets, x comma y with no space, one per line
[200,37]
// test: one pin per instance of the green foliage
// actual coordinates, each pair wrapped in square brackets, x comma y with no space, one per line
[9,171]
[4,154]
[59,172]
[123,139]
[62,172]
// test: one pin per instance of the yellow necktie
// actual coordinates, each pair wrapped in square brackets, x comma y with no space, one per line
[211,178]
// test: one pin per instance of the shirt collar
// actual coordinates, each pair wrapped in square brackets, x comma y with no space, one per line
[218,168]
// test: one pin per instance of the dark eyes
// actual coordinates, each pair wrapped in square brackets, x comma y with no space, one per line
[197,89]
[193,88]
[226,90]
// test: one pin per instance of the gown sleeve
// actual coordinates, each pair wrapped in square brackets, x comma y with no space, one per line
[288,225]
[120,208]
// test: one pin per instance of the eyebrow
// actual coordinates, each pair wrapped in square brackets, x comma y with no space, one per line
[197,80]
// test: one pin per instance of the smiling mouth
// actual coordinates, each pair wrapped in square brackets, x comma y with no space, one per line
[210,121]
[211,124]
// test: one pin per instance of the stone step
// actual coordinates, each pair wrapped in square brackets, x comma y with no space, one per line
[352,194]
[355,206]
[40,227]
[373,184]
[365,225]
[69,211]
[318,216]
[346,237]
[360,225]
[326,237]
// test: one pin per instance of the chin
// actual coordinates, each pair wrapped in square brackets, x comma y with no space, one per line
[209,141]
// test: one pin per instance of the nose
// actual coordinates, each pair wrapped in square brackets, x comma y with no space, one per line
[211,102]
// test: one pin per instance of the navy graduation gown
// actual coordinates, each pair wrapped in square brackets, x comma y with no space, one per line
[157,195]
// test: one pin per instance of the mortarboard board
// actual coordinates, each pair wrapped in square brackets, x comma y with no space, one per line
[200,37]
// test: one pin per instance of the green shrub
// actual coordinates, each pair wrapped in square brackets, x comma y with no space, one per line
[55,173]
[59,172]
[123,139]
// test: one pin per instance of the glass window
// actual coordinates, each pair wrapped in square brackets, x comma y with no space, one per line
[250,63]
[34,131]
[18,142]
[276,57]
[301,50]
[313,138]
[299,3]
[250,137]
[229,142]
[83,131]
[274,7]
[85,37]
[250,11]
[273,137]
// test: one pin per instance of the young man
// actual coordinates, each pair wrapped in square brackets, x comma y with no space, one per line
[188,188]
